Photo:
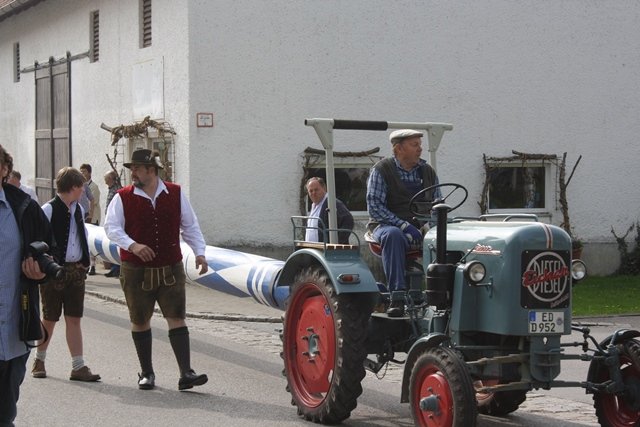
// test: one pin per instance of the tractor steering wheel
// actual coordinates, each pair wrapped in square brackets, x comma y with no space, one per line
[417,207]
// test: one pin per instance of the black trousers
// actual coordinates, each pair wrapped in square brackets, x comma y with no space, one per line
[11,376]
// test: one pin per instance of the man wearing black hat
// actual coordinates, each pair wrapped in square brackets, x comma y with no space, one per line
[146,220]
[392,183]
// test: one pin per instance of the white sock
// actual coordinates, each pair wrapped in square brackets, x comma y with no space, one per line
[41,355]
[77,362]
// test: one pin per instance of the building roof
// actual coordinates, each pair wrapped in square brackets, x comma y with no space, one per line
[13,7]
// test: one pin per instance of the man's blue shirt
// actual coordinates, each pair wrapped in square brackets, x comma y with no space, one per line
[10,266]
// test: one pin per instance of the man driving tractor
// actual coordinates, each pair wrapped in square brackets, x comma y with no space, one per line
[392,183]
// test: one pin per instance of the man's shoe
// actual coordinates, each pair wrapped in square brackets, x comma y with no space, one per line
[92,271]
[190,379]
[112,273]
[396,308]
[83,374]
[38,371]
[146,381]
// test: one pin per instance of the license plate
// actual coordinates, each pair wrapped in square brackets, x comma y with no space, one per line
[546,322]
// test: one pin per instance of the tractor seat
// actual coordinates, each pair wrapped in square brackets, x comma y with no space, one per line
[376,248]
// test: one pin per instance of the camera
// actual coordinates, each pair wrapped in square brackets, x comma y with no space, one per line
[38,250]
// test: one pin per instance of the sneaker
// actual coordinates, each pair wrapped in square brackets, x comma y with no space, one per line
[83,374]
[38,371]
[92,271]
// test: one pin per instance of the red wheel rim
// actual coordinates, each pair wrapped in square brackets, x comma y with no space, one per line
[310,345]
[616,410]
[431,382]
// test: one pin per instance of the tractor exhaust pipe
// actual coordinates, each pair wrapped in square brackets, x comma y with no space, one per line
[440,275]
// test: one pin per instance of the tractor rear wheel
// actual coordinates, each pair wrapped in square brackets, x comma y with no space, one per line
[499,403]
[441,390]
[620,410]
[323,340]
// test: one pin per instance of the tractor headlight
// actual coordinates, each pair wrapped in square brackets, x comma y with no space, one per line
[578,270]
[475,272]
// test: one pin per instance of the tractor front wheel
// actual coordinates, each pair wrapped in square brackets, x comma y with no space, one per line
[442,393]
[623,409]
[323,340]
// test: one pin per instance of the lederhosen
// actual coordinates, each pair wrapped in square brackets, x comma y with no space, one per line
[163,278]
[70,287]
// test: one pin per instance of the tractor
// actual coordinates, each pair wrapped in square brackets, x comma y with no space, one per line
[489,300]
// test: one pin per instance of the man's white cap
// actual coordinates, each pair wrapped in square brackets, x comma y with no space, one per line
[400,134]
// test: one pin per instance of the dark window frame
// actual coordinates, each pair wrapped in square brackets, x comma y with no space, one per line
[16,62]
[145,23]
[94,34]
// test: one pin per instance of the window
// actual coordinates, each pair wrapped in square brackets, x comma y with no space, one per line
[351,174]
[16,62]
[522,183]
[145,23]
[94,50]
[517,188]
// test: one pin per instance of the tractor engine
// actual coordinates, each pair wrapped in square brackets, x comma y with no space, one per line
[511,289]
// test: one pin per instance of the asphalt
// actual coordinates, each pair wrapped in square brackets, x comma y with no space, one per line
[205,303]
[202,302]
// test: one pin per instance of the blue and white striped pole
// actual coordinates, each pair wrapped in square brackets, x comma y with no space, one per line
[232,272]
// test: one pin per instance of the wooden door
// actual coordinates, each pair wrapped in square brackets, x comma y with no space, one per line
[53,122]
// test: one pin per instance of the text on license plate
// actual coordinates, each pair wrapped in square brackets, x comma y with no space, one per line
[546,322]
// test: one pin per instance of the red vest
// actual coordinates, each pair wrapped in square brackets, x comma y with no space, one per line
[157,228]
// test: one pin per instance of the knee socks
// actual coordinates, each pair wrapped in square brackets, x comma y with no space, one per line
[179,338]
[142,341]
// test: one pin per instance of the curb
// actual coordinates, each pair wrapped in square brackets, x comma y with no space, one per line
[195,315]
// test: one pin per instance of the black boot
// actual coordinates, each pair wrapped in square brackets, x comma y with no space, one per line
[396,308]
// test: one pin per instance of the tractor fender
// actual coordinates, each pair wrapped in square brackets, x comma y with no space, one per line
[425,342]
[619,336]
[335,266]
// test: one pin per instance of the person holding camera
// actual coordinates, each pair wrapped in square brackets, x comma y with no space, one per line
[146,220]
[22,223]
[72,252]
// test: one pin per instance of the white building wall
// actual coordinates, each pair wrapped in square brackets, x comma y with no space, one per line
[539,78]
[534,77]
[101,92]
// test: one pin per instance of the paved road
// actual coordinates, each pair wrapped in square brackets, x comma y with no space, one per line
[242,358]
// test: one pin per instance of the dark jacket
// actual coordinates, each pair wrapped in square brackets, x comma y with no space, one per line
[34,226]
[344,217]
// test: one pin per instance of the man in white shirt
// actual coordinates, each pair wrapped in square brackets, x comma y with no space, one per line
[317,190]
[14,179]
[146,220]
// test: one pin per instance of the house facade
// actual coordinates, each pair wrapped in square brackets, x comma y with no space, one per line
[230,82]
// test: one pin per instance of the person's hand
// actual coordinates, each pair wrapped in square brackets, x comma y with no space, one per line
[413,234]
[201,262]
[31,269]
[144,252]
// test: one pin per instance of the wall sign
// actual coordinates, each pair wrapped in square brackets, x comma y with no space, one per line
[204,120]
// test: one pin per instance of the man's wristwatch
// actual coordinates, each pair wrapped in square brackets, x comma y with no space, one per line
[404,226]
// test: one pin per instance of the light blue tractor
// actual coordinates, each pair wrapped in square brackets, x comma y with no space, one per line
[489,303]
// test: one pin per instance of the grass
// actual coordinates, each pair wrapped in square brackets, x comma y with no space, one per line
[603,296]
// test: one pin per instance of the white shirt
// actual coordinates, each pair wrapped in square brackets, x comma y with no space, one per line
[311,234]
[190,229]
[30,191]
[74,250]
